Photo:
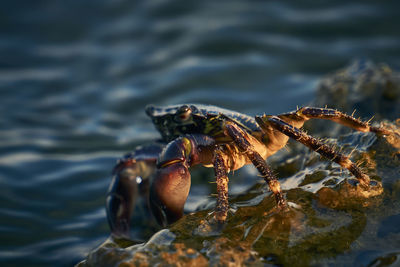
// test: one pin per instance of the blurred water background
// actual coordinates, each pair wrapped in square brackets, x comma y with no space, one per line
[75,77]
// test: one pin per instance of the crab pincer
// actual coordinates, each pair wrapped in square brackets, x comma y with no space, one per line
[131,179]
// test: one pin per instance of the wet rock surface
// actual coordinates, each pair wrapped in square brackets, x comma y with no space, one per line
[330,220]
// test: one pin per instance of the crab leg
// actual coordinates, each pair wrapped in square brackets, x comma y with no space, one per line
[239,137]
[307,113]
[315,145]
[131,179]
[221,210]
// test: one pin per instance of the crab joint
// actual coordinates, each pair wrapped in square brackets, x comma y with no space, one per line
[187,145]
[274,186]
[175,152]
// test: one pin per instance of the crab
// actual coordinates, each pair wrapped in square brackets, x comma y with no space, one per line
[195,134]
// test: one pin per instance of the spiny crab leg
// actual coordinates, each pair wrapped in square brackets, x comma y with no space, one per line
[317,146]
[221,210]
[239,137]
[307,113]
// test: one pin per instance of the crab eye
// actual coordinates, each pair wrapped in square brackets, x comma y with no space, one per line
[183,113]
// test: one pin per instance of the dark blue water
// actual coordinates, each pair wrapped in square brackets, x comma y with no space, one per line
[75,77]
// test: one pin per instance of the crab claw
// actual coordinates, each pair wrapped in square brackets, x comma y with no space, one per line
[169,191]
[171,184]
[120,202]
